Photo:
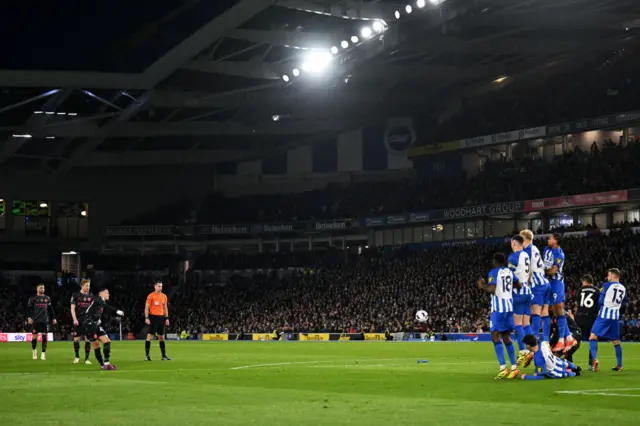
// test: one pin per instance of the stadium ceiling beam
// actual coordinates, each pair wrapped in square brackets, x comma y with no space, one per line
[504,46]
[248,69]
[288,38]
[545,20]
[128,129]
[353,9]
[161,69]
[164,158]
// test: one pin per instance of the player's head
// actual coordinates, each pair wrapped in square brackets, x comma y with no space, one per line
[498,260]
[157,286]
[554,240]
[40,289]
[517,243]
[85,285]
[104,293]
[531,342]
[586,280]
[613,275]
[527,234]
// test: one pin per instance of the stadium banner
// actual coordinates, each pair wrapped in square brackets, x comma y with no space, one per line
[261,336]
[419,151]
[223,229]
[317,337]
[593,123]
[482,210]
[504,137]
[576,200]
[21,337]
[129,231]
[374,336]
[419,217]
[397,219]
[332,225]
[372,222]
[215,336]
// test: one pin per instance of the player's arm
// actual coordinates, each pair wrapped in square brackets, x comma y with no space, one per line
[552,271]
[541,372]
[113,309]
[52,314]
[30,307]
[147,306]
[516,282]
[166,310]
[489,288]
[73,310]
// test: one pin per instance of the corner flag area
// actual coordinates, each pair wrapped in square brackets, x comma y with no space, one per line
[287,383]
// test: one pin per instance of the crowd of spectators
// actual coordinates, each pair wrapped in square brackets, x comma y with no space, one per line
[599,169]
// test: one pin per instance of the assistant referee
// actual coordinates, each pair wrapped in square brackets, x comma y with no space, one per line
[156,316]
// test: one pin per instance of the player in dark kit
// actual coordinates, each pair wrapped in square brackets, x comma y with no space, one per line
[93,331]
[576,333]
[40,311]
[80,301]
[588,308]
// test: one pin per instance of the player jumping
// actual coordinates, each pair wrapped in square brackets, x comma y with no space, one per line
[540,289]
[94,332]
[40,311]
[547,364]
[520,264]
[612,297]
[553,264]
[587,301]
[80,301]
[500,286]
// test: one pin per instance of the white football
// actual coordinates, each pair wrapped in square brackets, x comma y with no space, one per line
[422,316]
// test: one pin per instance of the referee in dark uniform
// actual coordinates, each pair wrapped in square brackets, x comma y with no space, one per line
[588,307]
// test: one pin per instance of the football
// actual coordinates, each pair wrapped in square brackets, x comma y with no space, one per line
[422,316]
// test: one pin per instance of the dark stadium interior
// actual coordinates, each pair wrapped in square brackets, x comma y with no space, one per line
[289,167]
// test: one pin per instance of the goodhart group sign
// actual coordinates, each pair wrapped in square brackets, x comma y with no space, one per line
[482,210]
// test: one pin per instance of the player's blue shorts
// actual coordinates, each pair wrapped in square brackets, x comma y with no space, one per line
[502,322]
[606,329]
[541,291]
[557,292]
[522,304]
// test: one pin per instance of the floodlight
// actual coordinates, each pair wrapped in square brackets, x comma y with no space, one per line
[344,44]
[316,61]
[377,26]
[296,72]
[354,39]
[408,8]
[365,32]
[421,3]
[397,14]
[285,78]
[334,50]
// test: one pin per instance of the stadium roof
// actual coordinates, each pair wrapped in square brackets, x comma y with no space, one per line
[163,82]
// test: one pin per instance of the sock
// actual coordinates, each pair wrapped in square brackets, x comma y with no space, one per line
[590,357]
[546,328]
[107,352]
[535,325]
[562,327]
[163,348]
[520,336]
[499,348]
[98,355]
[87,350]
[619,355]
[569,355]
[147,346]
[511,351]
[528,330]
[44,342]
[571,365]
[571,374]
[593,348]
[34,343]
[76,348]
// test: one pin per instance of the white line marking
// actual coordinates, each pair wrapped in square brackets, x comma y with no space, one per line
[603,392]
[336,362]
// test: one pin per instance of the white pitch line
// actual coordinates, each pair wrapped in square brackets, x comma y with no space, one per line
[602,392]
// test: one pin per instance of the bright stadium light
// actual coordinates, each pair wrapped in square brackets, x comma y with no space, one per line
[316,61]
[408,8]
[296,72]
[354,39]
[43,205]
[377,26]
[397,14]
[285,78]
[334,50]
[365,32]
[344,44]
[434,2]
[421,3]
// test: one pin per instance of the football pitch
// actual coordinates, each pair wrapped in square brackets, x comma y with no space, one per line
[307,383]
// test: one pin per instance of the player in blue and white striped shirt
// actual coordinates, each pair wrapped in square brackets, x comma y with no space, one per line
[540,288]
[501,283]
[607,326]
[520,264]
[547,365]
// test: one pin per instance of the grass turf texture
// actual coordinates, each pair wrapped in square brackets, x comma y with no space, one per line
[309,383]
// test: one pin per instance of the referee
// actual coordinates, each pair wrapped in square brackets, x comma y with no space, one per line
[588,308]
[156,316]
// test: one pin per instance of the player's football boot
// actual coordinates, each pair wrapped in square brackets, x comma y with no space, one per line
[502,374]
[109,367]
[76,360]
[521,359]
[595,365]
[571,342]
[87,362]
[35,355]
[616,368]
[513,374]
[147,358]
[43,356]
[559,347]
[166,358]
[527,361]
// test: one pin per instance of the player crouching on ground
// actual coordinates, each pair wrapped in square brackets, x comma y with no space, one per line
[547,365]
[94,332]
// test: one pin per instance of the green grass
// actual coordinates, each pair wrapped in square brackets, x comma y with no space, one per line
[310,383]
